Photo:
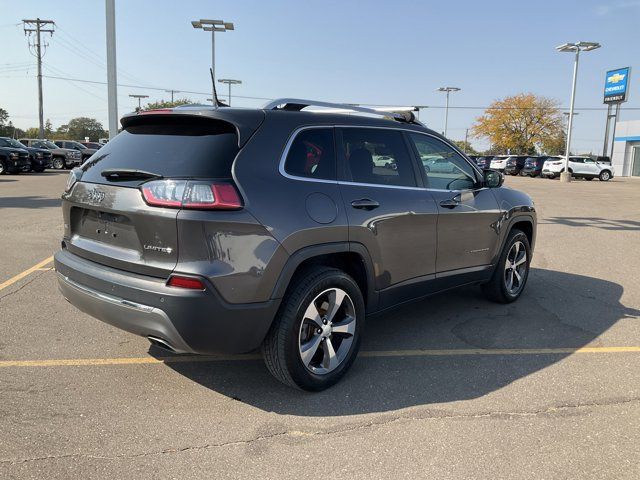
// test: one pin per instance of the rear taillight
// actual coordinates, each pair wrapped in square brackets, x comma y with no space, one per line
[198,195]
[190,283]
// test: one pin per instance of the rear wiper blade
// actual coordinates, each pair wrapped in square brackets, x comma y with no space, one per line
[124,174]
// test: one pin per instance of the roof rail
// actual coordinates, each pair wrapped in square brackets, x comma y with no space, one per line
[297,104]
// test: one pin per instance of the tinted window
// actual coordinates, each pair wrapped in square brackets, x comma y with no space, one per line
[378,156]
[312,155]
[3,143]
[171,147]
[444,168]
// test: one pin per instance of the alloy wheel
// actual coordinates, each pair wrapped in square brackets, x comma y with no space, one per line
[327,331]
[58,163]
[515,268]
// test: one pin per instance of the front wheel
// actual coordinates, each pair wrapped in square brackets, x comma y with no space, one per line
[58,163]
[316,335]
[3,170]
[511,272]
[605,176]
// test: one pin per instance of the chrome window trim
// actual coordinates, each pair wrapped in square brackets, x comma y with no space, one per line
[295,133]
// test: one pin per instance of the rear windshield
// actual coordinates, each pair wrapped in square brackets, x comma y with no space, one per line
[170,147]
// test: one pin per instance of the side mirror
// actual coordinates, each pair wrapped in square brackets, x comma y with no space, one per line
[493,179]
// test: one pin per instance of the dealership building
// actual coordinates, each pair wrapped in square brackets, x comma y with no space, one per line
[626,149]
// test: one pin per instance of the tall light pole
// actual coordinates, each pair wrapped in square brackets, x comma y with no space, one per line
[229,82]
[112,76]
[576,48]
[213,26]
[172,92]
[139,97]
[447,90]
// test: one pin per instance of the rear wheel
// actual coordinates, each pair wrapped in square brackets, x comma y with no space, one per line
[3,170]
[316,335]
[58,163]
[605,176]
[511,273]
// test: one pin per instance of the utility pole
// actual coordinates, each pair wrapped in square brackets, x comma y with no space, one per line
[35,26]
[112,76]
[447,90]
[466,138]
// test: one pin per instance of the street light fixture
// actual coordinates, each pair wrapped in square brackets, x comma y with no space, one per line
[576,48]
[448,90]
[139,97]
[229,82]
[213,26]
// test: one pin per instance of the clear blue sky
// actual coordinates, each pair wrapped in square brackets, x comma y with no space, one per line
[383,52]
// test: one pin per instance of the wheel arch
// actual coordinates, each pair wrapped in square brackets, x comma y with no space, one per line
[352,258]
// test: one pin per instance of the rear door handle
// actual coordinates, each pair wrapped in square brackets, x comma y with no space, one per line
[365,204]
[451,203]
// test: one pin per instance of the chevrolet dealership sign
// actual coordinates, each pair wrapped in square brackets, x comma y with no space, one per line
[616,85]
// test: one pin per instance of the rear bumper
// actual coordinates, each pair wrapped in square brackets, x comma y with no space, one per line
[189,321]
[530,171]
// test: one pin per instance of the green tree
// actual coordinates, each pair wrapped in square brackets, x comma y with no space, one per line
[81,127]
[520,124]
[165,104]
[466,147]
[32,132]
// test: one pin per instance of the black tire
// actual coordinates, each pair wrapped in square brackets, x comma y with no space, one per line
[496,289]
[58,163]
[281,347]
[605,176]
[588,179]
[3,169]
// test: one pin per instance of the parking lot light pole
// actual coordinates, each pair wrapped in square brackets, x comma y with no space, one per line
[229,82]
[213,26]
[139,97]
[576,48]
[448,90]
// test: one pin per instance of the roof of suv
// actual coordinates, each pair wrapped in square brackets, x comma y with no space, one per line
[247,120]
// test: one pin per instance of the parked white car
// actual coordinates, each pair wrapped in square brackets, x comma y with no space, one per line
[580,167]
[499,163]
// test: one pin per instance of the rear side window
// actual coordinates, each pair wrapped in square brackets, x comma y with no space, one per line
[312,155]
[377,156]
[171,147]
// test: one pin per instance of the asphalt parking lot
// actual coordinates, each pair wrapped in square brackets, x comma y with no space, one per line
[450,387]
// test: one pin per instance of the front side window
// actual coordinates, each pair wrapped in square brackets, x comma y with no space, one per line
[377,156]
[312,155]
[445,169]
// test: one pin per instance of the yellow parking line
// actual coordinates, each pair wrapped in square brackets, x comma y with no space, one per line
[82,362]
[20,276]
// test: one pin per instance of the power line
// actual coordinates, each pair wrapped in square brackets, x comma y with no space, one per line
[150,88]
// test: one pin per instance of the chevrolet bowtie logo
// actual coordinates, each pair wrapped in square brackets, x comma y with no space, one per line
[615,78]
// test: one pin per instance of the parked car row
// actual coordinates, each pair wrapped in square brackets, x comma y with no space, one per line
[35,155]
[548,166]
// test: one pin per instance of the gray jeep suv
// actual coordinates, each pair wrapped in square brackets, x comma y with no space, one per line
[227,230]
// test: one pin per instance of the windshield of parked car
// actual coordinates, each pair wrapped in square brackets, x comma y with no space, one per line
[10,142]
[44,144]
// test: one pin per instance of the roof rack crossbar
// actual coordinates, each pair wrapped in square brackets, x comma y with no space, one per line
[297,104]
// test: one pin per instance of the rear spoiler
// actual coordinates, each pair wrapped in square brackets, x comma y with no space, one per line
[246,122]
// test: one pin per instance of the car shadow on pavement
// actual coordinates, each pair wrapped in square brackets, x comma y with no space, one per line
[557,310]
[594,222]
[29,201]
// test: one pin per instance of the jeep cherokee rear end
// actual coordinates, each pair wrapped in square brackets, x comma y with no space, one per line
[156,239]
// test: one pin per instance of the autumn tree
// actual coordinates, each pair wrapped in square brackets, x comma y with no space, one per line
[521,124]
